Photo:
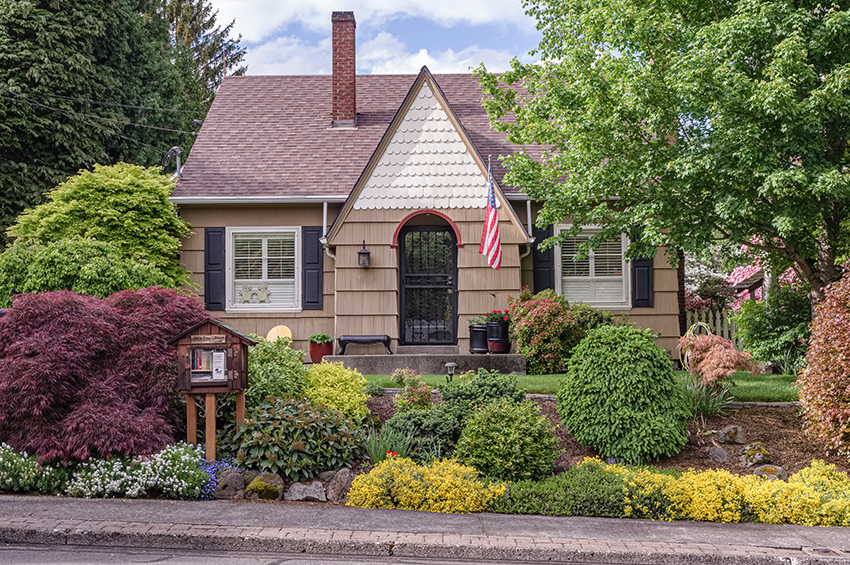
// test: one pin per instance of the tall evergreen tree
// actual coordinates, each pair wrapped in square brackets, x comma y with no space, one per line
[213,51]
[85,82]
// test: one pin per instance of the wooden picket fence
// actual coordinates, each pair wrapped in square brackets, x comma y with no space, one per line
[720,322]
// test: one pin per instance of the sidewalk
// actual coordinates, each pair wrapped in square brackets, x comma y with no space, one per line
[316,529]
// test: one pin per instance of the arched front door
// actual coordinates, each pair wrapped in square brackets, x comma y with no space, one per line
[428,270]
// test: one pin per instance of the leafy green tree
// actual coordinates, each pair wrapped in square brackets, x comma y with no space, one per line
[126,205]
[708,120]
[85,82]
[85,266]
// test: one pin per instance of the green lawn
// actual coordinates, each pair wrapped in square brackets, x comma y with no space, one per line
[544,384]
[764,388]
[761,388]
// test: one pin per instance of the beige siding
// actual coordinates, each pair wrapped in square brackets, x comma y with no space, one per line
[301,323]
[662,318]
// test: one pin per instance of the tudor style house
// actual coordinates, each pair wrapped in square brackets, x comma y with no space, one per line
[293,179]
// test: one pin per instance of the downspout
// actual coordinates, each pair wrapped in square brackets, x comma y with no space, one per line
[324,238]
[528,246]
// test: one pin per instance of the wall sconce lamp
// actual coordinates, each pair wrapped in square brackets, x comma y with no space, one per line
[450,371]
[363,256]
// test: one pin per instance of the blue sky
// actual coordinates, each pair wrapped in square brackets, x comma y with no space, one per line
[393,36]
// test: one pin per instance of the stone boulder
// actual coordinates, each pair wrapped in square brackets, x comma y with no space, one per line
[338,487]
[231,485]
[717,454]
[311,491]
[754,454]
[732,434]
[265,486]
[772,472]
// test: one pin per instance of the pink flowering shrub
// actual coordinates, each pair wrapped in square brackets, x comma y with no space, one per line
[825,382]
[414,392]
[82,377]
[547,328]
[714,359]
[694,303]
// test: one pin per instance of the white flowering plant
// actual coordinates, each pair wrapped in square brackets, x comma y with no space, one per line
[178,471]
[21,472]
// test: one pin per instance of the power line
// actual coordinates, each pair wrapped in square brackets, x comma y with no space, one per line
[67,112]
[99,126]
[101,103]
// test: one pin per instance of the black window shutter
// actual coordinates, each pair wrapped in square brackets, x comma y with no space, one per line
[544,261]
[311,271]
[642,290]
[214,271]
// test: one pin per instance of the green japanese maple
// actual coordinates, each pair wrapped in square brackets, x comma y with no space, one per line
[705,121]
[125,205]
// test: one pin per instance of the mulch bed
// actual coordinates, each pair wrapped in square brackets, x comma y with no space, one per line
[779,428]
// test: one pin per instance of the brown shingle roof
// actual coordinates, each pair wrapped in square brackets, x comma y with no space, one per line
[270,136]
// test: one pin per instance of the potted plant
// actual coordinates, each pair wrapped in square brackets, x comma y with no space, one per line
[478,335]
[320,345]
[498,331]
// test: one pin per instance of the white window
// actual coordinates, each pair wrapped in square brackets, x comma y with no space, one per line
[599,279]
[263,269]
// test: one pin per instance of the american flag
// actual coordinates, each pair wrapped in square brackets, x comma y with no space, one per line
[491,245]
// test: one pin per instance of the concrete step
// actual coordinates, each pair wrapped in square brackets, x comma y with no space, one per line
[427,349]
[431,363]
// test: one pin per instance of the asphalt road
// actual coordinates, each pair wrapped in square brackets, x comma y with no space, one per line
[79,555]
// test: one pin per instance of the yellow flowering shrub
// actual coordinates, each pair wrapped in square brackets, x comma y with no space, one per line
[818,495]
[644,492]
[714,495]
[335,386]
[442,486]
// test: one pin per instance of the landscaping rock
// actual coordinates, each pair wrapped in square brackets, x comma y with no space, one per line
[717,454]
[754,454]
[231,485]
[326,476]
[772,472]
[250,476]
[337,490]
[265,486]
[313,491]
[732,434]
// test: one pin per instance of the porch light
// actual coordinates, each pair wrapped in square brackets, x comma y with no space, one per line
[450,371]
[363,256]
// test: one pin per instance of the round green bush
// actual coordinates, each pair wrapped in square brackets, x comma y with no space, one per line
[295,439]
[274,369]
[474,390]
[434,431]
[620,397]
[509,440]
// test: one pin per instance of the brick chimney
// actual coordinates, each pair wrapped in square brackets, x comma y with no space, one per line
[344,73]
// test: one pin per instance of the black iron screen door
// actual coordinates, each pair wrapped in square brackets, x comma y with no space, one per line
[428,269]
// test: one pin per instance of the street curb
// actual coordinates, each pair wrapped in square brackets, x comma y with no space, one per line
[385,544]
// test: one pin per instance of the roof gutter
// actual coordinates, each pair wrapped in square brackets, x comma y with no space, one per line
[211,200]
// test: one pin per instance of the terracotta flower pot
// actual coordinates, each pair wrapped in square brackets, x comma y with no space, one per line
[319,350]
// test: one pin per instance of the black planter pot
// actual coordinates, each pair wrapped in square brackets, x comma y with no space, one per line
[498,337]
[478,338]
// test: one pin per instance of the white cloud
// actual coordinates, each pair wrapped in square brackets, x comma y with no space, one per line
[289,56]
[386,54]
[258,20]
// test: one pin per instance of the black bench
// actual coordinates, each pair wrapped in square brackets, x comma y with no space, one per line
[363,340]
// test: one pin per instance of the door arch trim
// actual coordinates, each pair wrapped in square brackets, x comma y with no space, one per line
[407,218]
